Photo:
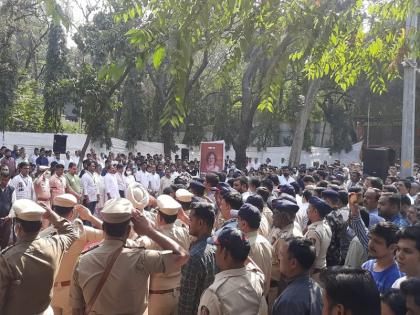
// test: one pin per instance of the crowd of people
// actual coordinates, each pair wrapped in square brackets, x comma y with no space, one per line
[142,234]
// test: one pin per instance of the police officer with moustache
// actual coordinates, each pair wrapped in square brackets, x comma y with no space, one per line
[28,268]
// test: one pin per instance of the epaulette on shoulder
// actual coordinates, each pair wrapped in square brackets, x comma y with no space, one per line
[7,248]
[89,249]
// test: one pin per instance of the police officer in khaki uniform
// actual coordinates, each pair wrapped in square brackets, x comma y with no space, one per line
[164,287]
[63,206]
[265,227]
[184,197]
[249,218]
[231,292]
[113,278]
[140,198]
[28,268]
[319,232]
[284,226]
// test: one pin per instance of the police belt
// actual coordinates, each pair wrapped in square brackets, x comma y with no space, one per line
[163,291]
[62,284]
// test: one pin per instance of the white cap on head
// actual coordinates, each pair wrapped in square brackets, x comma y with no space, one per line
[65,200]
[117,210]
[138,195]
[183,195]
[168,205]
[27,210]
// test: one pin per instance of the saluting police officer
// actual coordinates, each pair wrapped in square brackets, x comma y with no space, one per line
[164,287]
[28,268]
[65,206]
[113,278]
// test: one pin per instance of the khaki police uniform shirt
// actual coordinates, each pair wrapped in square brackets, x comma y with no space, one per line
[320,233]
[277,236]
[28,270]
[85,235]
[234,291]
[264,228]
[166,281]
[260,253]
[268,214]
[126,289]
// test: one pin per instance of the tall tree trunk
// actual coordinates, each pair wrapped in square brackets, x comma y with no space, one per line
[168,139]
[240,155]
[240,144]
[296,150]
[83,152]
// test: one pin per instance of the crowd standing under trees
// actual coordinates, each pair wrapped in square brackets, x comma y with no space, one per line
[132,233]
[262,240]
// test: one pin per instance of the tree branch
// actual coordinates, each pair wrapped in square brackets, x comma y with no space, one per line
[200,70]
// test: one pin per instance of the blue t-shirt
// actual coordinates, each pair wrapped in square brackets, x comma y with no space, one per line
[386,278]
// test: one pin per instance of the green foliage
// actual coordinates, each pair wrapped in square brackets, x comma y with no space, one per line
[93,102]
[27,112]
[351,53]
[54,10]
[133,110]
[8,82]
[56,70]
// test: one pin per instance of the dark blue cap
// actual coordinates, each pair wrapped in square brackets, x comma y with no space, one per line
[233,240]
[329,192]
[224,188]
[288,197]
[197,184]
[288,189]
[320,205]
[256,200]
[250,214]
[285,205]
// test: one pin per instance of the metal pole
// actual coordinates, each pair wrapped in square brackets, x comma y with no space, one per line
[409,101]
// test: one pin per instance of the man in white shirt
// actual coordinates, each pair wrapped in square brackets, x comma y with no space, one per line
[165,181]
[142,176]
[34,156]
[286,178]
[22,157]
[23,183]
[403,187]
[67,160]
[76,157]
[90,187]
[111,183]
[154,181]
[121,180]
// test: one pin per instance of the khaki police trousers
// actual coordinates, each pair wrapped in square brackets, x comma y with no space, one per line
[164,304]
[61,301]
